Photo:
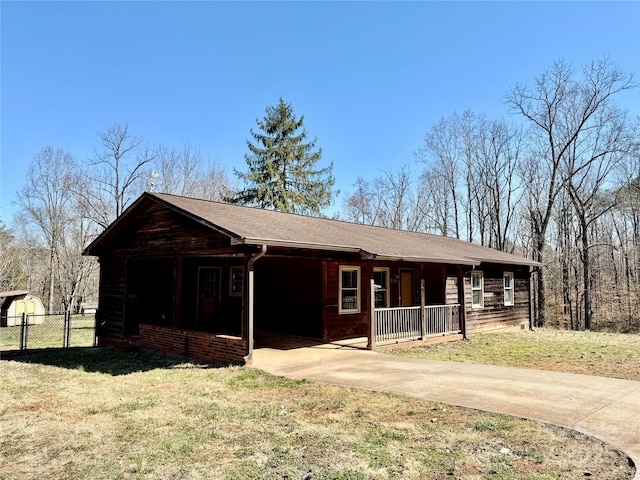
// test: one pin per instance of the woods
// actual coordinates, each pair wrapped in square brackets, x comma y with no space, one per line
[556,181]
[556,178]
[64,204]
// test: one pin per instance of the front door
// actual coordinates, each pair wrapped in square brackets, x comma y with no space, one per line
[208,297]
[406,288]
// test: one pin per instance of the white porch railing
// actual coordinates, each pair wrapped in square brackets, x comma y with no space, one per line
[441,319]
[400,323]
[413,323]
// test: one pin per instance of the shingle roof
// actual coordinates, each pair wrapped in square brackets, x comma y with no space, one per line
[254,226]
[13,293]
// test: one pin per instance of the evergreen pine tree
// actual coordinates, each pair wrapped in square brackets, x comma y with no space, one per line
[282,173]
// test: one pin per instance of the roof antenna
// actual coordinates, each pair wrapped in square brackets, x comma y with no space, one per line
[152,181]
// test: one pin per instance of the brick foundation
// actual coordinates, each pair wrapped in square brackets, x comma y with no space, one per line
[203,346]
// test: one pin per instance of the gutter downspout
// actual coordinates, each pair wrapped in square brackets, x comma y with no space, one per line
[250,293]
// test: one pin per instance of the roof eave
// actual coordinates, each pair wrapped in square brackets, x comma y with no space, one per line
[445,261]
[273,242]
[524,262]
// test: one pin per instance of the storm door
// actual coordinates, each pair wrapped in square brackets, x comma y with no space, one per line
[208,297]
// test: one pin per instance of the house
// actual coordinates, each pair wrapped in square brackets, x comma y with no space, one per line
[199,278]
[15,303]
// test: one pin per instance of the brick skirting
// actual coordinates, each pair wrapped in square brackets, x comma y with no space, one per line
[203,346]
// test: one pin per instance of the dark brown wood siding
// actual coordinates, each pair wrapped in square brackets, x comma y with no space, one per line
[495,315]
[297,290]
[345,325]
[349,325]
[145,258]
[161,231]
[288,296]
[111,301]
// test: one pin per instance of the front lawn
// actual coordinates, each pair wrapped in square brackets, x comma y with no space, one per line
[590,353]
[99,414]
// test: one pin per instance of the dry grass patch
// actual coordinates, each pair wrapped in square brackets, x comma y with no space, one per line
[591,353]
[104,415]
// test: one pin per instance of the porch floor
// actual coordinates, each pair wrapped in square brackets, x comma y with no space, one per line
[271,349]
[281,342]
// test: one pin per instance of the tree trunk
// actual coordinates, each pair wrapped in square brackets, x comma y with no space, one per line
[586,274]
[52,283]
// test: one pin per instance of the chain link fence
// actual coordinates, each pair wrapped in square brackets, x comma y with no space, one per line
[30,332]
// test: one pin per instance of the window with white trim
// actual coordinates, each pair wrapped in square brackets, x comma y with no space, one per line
[477,289]
[349,289]
[381,286]
[508,288]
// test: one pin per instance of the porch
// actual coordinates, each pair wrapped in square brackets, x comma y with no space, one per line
[394,327]
[408,324]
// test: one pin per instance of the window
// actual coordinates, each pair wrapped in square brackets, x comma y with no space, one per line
[508,288]
[349,289]
[477,289]
[236,279]
[381,286]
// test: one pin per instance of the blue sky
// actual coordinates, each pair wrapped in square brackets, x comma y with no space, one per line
[371,78]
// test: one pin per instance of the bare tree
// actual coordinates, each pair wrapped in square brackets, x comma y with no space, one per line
[438,204]
[184,172]
[442,157]
[559,108]
[9,264]
[359,206]
[396,200]
[77,274]
[496,173]
[392,199]
[589,163]
[115,173]
[44,201]
[470,178]
[32,256]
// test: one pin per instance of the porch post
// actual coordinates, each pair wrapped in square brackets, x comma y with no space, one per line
[371,334]
[530,296]
[462,313]
[423,313]
[177,293]
[250,311]
[250,301]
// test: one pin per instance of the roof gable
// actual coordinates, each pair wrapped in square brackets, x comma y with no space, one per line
[254,226]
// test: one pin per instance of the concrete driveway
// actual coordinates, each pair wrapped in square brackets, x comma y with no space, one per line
[605,408]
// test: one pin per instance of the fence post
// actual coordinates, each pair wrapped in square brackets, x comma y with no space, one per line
[423,313]
[95,329]
[23,331]
[64,330]
[67,329]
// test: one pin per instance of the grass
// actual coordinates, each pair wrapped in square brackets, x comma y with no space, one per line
[98,414]
[590,353]
[50,333]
